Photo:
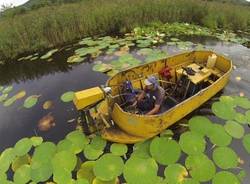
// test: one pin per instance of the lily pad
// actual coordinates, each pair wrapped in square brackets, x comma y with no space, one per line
[31,101]
[164,150]
[36,141]
[192,143]
[91,153]
[81,181]
[3,97]
[20,94]
[223,110]
[108,167]
[23,146]
[225,158]
[41,172]
[144,51]
[67,96]
[78,139]
[86,171]
[102,67]
[167,133]
[22,175]
[49,54]
[9,101]
[98,143]
[142,149]
[218,136]
[234,129]
[190,181]
[242,102]
[47,105]
[118,149]
[97,181]
[225,177]
[240,118]
[228,100]
[247,114]
[175,173]
[6,158]
[75,59]
[62,175]
[64,145]
[140,170]
[246,142]
[200,167]
[156,55]
[64,159]
[7,89]
[200,125]
[20,161]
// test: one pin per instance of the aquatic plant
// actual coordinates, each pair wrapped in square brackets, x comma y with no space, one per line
[32,160]
[67,96]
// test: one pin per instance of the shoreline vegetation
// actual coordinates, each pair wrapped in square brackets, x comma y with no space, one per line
[53,26]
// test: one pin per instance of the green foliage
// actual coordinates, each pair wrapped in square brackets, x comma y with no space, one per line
[51,26]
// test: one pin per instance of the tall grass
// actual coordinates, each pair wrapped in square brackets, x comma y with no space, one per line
[55,25]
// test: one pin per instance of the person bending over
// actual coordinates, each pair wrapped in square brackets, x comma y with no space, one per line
[151,98]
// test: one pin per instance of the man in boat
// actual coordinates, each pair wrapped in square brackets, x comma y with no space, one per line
[151,98]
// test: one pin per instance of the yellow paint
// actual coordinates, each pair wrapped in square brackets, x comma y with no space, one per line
[87,97]
[131,128]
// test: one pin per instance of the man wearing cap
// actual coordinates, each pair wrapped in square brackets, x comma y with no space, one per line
[151,98]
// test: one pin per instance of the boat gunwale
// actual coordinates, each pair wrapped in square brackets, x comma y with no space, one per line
[179,104]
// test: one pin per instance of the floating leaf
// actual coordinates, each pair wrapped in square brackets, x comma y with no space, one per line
[155,56]
[240,118]
[78,139]
[36,141]
[86,171]
[20,94]
[7,89]
[19,161]
[22,175]
[225,158]
[31,101]
[142,149]
[64,145]
[200,125]
[23,146]
[246,142]
[247,114]
[167,133]
[228,100]
[242,102]
[97,181]
[144,51]
[118,149]
[68,96]
[112,73]
[234,129]
[225,177]
[3,97]
[192,143]
[102,67]
[64,159]
[91,153]
[190,181]
[75,59]
[108,167]
[218,135]
[241,175]
[140,171]
[98,142]
[1,88]
[164,150]
[6,158]
[62,175]
[82,181]
[40,172]
[175,173]
[47,105]
[223,110]
[201,168]
[49,54]
[9,102]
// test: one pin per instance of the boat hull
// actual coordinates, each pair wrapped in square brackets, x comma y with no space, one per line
[146,126]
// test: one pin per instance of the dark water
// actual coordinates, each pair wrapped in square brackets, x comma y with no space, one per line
[52,79]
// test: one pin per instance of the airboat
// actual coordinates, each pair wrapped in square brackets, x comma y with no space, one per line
[189,79]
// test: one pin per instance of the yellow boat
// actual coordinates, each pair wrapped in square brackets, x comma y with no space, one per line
[205,74]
